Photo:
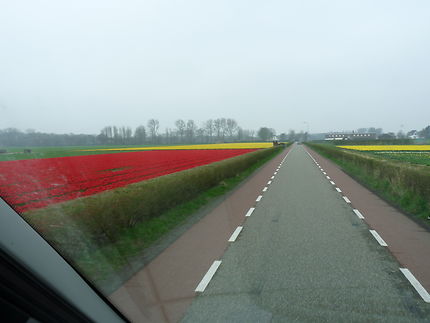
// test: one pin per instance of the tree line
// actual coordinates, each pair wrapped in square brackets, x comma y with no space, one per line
[183,132]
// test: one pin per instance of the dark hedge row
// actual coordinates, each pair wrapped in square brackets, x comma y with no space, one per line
[404,184]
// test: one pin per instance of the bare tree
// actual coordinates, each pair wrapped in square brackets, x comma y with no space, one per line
[190,130]
[128,135]
[116,136]
[106,135]
[140,135]
[200,135]
[209,128]
[218,128]
[223,128]
[231,128]
[180,125]
[168,134]
[153,126]
[240,134]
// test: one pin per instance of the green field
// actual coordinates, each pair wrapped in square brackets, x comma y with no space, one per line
[419,158]
[17,153]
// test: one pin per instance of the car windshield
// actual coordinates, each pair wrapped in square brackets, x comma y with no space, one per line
[228,160]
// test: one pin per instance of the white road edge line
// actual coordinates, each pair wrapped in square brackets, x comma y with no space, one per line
[346,199]
[338,189]
[235,234]
[207,278]
[259,198]
[358,213]
[378,238]
[332,183]
[416,284]
[265,189]
[250,211]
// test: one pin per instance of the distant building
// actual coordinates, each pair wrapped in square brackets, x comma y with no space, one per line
[350,136]
[413,134]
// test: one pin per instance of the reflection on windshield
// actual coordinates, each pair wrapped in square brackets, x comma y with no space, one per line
[225,161]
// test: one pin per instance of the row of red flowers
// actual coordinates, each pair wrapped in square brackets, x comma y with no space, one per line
[36,183]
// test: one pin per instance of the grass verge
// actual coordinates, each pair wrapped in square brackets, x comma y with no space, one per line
[404,185]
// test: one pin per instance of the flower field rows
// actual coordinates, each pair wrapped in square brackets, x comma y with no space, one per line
[414,154]
[36,183]
[240,145]
[388,147]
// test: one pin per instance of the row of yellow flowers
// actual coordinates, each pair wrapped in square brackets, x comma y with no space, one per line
[388,147]
[249,145]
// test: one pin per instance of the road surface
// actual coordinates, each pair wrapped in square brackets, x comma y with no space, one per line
[304,255]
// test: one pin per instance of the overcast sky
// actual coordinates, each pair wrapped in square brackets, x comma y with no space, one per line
[76,66]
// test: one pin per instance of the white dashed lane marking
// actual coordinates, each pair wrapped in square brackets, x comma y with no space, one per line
[250,211]
[207,278]
[346,199]
[235,234]
[358,213]
[416,284]
[378,238]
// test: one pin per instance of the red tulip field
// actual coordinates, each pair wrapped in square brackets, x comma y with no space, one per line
[36,183]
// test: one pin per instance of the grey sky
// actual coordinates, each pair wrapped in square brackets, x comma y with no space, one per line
[76,66]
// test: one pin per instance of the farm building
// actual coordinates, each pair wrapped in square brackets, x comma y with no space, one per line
[350,136]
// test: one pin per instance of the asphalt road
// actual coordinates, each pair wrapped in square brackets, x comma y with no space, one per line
[304,255]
